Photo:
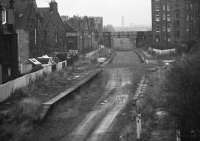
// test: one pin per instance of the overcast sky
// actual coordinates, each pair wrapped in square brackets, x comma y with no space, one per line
[137,12]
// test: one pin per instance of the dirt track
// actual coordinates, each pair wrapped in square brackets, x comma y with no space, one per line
[92,113]
[99,122]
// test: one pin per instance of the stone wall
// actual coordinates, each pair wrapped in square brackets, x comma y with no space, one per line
[23,47]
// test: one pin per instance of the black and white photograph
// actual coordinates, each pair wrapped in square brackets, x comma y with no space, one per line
[99,70]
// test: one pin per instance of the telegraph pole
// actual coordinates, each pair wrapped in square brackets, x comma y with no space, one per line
[139,126]
[138,121]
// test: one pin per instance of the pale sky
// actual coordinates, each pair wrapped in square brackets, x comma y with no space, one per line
[137,12]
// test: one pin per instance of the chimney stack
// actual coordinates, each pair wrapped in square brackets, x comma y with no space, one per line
[10,13]
[53,6]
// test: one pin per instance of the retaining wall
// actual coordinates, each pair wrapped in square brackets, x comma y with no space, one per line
[10,87]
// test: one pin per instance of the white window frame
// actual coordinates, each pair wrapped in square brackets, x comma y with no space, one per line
[4,16]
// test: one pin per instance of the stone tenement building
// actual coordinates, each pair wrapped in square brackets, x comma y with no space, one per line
[25,20]
[90,31]
[174,22]
[51,30]
[40,30]
[98,21]
[8,43]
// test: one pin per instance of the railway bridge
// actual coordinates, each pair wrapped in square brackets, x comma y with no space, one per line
[111,37]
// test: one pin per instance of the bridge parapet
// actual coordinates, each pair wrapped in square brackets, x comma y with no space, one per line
[124,34]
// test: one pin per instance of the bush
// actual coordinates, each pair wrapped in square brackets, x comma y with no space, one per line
[18,121]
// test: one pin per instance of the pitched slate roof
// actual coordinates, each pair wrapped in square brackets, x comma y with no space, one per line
[48,16]
[69,28]
[25,9]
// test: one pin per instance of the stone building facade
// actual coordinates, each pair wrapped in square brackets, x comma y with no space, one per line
[51,31]
[90,31]
[107,39]
[98,29]
[162,23]
[144,39]
[40,30]
[8,43]
[175,22]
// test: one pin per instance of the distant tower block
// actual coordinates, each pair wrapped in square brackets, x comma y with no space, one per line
[122,21]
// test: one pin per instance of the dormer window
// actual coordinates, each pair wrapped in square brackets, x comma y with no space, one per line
[4,16]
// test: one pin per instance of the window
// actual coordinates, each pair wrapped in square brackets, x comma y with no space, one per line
[157,39]
[157,19]
[168,29]
[168,19]
[157,8]
[164,37]
[177,13]
[163,7]
[4,17]
[191,6]
[9,72]
[164,28]
[158,31]
[164,17]
[187,17]
[177,23]
[177,34]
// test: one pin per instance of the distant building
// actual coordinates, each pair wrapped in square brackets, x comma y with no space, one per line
[51,30]
[81,26]
[174,22]
[98,21]
[162,23]
[133,28]
[108,28]
[144,39]
[107,39]
[90,31]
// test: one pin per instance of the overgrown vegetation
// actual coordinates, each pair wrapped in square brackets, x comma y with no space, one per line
[183,88]
[19,113]
[17,122]
[156,127]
